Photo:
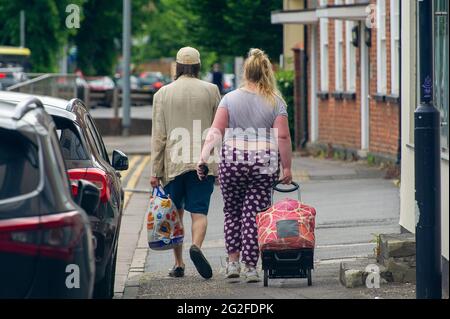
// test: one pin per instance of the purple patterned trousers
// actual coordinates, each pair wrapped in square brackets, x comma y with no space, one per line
[246,179]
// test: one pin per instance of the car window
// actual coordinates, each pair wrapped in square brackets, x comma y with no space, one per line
[97,139]
[19,165]
[72,146]
[60,167]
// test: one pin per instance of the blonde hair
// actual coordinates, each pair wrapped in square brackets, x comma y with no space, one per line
[258,70]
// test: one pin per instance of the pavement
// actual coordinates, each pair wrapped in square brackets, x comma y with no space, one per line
[354,203]
[135,145]
[138,112]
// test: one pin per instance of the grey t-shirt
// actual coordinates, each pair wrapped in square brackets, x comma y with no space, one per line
[251,116]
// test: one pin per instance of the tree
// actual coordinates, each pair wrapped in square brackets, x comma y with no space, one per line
[45,29]
[232,27]
[252,28]
[98,37]
[164,30]
[99,40]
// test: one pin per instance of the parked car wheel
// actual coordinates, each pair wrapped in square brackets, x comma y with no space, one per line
[104,289]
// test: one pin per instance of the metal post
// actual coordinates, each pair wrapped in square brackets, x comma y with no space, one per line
[126,67]
[116,102]
[427,166]
[399,140]
[22,28]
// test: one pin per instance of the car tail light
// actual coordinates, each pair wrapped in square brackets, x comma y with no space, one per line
[94,175]
[2,75]
[226,85]
[52,236]
[157,85]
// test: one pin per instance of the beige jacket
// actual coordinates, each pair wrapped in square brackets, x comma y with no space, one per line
[182,111]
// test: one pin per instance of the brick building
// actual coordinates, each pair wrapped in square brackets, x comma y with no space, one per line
[347,63]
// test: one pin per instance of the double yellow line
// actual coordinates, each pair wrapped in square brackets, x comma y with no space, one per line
[140,162]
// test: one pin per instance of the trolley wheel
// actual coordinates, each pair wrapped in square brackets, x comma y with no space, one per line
[309,274]
[266,277]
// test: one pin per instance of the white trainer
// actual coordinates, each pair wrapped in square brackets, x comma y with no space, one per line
[233,269]
[251,275]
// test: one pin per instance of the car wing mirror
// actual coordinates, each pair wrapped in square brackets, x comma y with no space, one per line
[88,197]
[119,160]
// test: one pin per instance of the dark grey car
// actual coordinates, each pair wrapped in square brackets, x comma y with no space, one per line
[44,235]
[86,158]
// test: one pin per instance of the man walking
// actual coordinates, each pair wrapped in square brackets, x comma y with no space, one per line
[217,77]
[179,107]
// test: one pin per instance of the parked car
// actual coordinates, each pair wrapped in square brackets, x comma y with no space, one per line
[44,235]
[228,83]
[11,76]
[86,158]
[82,88]
[152,81]
[134,82]
[101,89]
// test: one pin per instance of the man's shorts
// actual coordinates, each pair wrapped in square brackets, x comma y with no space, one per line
[189,192]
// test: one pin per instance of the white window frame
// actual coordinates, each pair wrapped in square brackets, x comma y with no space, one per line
[381,48]
[339,52]
[350,58]
[323,3]
[350,55]
[324,77]
[395,47]
[323,30]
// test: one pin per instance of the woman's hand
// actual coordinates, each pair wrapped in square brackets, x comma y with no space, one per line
[287,176]
[154,182]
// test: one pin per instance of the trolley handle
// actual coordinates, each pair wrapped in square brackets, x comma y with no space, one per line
[287,259]
[285,190]
[296,187]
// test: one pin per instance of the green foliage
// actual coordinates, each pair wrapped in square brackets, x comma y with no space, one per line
[99,40]
[285,82]
[220,29]
[96,39]
[371,159]
[232,27]
[163,30]
[46,32]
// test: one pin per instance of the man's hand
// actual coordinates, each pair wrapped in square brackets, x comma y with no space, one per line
[200,172]
[154,181]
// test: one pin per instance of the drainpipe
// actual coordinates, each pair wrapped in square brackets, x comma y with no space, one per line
[399,149]
[304,89]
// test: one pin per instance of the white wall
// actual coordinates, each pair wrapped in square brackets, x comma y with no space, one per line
[408,85]
[409,102]
[444,207]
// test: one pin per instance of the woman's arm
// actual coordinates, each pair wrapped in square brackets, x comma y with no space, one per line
[215,133]
[284,146]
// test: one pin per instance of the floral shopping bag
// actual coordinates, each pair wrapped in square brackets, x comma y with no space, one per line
[164,229]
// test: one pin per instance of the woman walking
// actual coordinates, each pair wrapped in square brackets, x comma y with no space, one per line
[253,121]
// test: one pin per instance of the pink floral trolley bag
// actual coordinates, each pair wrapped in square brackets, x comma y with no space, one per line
[164,230]
[286,237]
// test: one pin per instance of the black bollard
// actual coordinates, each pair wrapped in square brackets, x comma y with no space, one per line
[427,167]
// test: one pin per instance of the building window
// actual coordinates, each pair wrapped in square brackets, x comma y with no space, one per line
[395,47]
[339,53]
[441,65]
[381,47]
